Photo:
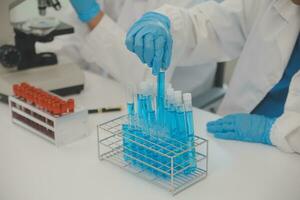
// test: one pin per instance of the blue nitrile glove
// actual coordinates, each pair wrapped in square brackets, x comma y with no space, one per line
[86,9]
[151,40]
[243,127]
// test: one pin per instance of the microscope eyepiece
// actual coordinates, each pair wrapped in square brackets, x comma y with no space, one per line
[44,4]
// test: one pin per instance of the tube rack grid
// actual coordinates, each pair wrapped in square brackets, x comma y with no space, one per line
[165,171]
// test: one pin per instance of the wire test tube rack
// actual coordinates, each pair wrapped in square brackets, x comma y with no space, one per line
[47,115]
[161,161]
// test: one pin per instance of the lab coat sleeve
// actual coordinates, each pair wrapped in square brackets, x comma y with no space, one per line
[105,47]
[112,7]
[285,133]
[211,31]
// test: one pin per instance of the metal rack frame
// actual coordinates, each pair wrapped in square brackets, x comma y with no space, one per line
[172,174]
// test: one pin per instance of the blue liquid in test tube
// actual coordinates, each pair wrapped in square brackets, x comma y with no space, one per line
[126,142]
[179,114]
[128,145]
[171,119]
[130,110]
[190,132]
[127,129]
[180,130]
[160,99]
[150,110]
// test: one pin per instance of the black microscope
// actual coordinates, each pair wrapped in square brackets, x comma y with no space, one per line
[21,62]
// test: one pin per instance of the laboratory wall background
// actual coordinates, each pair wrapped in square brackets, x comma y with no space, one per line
[28,10]
[6,34]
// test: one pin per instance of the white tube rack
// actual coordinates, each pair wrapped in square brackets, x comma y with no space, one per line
[59,130]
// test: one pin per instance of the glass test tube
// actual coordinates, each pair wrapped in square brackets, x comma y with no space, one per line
[160,99]
[187,99]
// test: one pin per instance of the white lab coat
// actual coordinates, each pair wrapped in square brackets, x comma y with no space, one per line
[262,34]
[104,45]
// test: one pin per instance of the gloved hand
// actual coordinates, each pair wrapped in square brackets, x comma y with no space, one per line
[86,9]
[151,40]
[243,127]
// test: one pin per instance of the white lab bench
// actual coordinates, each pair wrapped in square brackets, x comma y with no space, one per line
[33,169]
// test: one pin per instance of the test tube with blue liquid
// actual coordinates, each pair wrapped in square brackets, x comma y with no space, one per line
[187,99]
[171,118]
[151,120]
[147,118]
[160,98]
[129,128]
[141,104]
[168,110]
[149,104]
[180,117]
[180,129]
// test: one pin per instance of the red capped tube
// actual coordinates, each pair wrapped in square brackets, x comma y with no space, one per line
[71,105]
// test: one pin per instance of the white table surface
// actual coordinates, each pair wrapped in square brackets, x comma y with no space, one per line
[33,169]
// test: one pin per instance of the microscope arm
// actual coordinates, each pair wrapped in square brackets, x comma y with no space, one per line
[15,4]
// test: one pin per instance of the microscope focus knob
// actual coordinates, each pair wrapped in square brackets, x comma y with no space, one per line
[9,56]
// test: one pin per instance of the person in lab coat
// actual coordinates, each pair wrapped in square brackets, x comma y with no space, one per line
[100,30]
[263,34]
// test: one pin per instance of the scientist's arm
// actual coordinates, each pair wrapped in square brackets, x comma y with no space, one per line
[104,44]
[96,20]
[285,133]
[208,32]
[91,11]
[211,31]
[282,132]
[112,9]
